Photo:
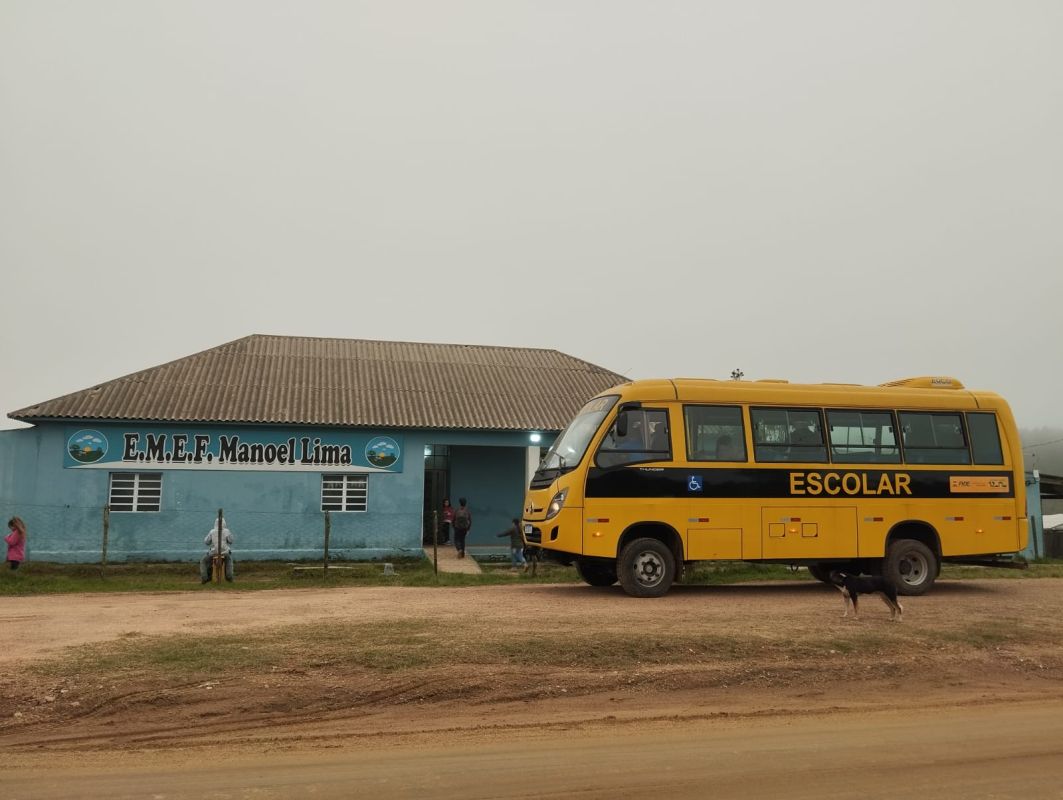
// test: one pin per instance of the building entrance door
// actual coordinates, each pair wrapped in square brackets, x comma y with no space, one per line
[436,488]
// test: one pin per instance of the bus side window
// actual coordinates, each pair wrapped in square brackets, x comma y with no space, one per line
[862,436]
[933,438]
[715,433]
[646,440]
[985,438]
[787,434]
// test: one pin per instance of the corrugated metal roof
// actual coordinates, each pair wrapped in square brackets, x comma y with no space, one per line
[346,383]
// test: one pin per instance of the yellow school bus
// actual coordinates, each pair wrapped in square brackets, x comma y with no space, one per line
[653,475]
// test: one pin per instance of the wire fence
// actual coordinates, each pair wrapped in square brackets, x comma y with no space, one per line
[88,534]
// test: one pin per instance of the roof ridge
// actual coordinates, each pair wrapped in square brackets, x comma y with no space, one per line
[336,381]
[589,364]
[397,341]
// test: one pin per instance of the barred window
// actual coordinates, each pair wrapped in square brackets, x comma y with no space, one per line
[436,456]
[135,491]
[344,492]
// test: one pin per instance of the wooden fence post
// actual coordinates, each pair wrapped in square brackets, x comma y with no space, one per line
[328,534]
[435,541]
[217,559]
[106,534]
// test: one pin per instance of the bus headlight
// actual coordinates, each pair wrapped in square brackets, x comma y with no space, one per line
[556,504]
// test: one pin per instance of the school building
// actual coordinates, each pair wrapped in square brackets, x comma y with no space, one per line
[278,430]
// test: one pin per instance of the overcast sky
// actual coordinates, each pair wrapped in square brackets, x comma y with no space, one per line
[819,191]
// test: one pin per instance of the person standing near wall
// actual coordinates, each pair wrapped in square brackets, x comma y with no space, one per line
[16,543]
[211,541]
[462,525]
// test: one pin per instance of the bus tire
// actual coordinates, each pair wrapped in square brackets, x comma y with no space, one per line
[646,568]
[821,572]
[911,567]
[596,573]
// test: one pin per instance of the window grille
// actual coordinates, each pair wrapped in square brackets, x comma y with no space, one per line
[135,491]
[344,492]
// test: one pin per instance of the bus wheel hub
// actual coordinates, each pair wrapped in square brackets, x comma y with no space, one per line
[648,568]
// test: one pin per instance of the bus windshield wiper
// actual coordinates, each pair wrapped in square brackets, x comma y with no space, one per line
[561,468]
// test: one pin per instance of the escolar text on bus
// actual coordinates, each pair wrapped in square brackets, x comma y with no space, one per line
[851,483]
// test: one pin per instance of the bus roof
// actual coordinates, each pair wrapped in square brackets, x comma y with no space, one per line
[924,392]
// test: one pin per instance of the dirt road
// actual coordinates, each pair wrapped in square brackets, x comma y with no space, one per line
[1010,752]
[721,687]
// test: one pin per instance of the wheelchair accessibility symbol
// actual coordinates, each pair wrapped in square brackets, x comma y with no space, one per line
[695,483]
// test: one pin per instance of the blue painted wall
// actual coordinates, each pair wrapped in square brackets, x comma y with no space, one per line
[1035,547]
[273,515]
[492,480]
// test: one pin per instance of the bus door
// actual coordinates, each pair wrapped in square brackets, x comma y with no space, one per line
[629,481]
[716,452]
[714,527]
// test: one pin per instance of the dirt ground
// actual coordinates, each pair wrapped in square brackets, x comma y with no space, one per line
[990,647]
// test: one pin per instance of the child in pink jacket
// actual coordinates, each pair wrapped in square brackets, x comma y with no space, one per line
[16,542]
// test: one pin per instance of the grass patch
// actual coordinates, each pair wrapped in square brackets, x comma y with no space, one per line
[993,633]
[710,573]
[45,578]
[1041,568]
[387,647]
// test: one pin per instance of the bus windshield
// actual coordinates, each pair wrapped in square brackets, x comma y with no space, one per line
[570,446]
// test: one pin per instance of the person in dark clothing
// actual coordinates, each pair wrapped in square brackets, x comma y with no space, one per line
[462,524]
[516,544]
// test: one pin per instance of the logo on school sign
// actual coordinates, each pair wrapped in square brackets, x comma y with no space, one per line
[249,449]
[86,446]
[382,452]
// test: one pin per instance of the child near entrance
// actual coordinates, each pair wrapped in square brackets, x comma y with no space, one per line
[462,524]
[448,520]
[516,544]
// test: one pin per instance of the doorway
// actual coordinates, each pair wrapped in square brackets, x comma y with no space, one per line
[436,488]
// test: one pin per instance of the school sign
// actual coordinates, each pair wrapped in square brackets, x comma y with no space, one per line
[252,449]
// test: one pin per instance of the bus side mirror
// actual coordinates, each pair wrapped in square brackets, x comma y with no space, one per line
[621,417]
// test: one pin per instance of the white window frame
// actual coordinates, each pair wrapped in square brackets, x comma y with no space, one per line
[147,492]
[353,497]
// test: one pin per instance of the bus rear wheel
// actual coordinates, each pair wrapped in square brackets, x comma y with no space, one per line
[646,568]
[596,573]
[911,566]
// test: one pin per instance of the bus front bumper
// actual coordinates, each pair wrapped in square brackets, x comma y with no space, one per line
[562,533]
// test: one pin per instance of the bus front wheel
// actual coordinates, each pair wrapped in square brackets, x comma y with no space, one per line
[911,566]
[646,568]
[596,573]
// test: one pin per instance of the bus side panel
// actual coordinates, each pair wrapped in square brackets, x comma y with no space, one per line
[565,531]
[978,527]
[808,532]
[995,527]
[713,544]
[874,520]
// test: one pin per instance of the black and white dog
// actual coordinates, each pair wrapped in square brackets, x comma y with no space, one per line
[852,586]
